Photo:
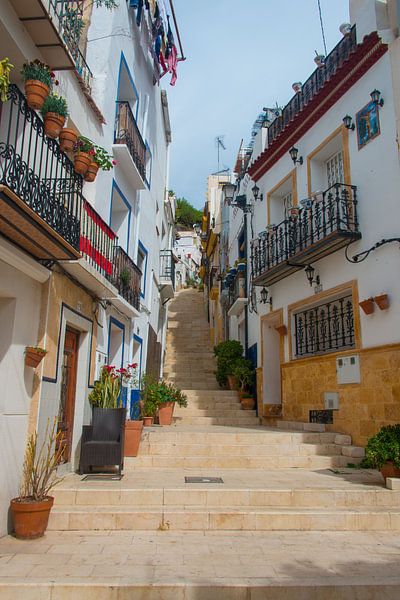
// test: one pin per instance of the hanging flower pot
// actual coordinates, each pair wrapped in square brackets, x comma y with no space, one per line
[367,305]
[382,301]
[39,79]
[53,123]
[91,173]
[36,93]
[34,355]
[67,139]
[82,161]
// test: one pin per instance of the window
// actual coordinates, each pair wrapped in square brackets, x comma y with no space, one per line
[287,203]
[280,199]
[120,217]
[142,264]
[324,328]
[334,169]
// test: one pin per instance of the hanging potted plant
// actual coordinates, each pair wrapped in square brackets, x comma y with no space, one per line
[38,78]
[101,159]
[67,139]
[34,355]
[31,509]
[54,112]
[84,152]
[5,69]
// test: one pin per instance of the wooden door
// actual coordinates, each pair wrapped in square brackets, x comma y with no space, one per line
[68,392]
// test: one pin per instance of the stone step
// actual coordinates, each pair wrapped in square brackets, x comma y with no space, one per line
[249,451]
[70,518]
[241,420]
[225,411]
[257,435]
[311,462]
[197,496]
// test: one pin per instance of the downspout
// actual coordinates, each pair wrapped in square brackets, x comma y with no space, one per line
[246,308]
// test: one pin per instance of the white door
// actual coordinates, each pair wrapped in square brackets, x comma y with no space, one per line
[271,362]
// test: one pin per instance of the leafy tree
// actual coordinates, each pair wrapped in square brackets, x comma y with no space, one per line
[186,214]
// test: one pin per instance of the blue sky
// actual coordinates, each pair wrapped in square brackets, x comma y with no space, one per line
[241,56]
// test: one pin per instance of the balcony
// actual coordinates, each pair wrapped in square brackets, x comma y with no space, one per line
[126,277]
[323,227]
[40,193]
[237,298]
[129,148]
[167,274]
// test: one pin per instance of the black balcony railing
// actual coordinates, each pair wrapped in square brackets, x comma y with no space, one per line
[33,167]
[126,277]
[167,266]
[325,328]
[98,242]
[334,61]
[237,289]
[327,224]
[127,132]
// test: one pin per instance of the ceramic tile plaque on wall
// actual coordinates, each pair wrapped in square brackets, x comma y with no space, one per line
[368,126]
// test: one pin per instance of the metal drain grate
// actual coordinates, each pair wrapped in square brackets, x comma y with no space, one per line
[204,480]
[102,477]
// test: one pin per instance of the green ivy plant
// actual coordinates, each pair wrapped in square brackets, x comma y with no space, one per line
[5,69]
[384,446]
[55,104]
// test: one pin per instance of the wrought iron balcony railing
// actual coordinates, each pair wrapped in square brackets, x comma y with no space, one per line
[325,328]
[40,191]
[237,289]
[167,266]
[127,132]
[126,277]
[329,222]
[314,84]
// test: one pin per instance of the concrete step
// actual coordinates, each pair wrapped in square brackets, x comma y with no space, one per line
[225,411]
[176,518]
[257,435]
[241,420]
[277,462]
[249,451]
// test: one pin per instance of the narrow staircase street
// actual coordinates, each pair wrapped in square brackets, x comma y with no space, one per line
[285,518]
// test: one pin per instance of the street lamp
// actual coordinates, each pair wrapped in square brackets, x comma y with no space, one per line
[256,193]
[310,275]
[229,191]
[293,155]
[348,122]
[264,297]
[376,97]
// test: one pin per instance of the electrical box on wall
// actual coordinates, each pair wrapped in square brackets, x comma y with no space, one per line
[331,400]
[348,369]
[101,360]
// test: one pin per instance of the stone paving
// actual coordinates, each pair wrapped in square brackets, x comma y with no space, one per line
[289,521]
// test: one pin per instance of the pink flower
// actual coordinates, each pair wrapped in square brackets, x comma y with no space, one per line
[133,366]
[114,162]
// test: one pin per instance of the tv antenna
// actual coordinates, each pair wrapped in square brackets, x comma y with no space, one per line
[219,140]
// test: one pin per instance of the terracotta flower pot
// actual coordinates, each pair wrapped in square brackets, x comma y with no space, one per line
[33,356]
[248,403]
[30,518]
[165,412]
[82,162]
[281,329]
[367,305]
[382,301]
[148,421]
[389,470]
[133,432]
[36,93]
[53,123]
[67,139]
[232,382]
[91,173]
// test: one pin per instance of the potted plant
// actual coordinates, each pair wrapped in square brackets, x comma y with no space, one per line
[54,112]
[67,139]
[244,374]
[38,78]
[167,396]
[125,277]
[382,300]
[227,353]
[5,69]
[383,451]
[133,428]
[34,355]
[31,509]
[367,305]
[247,401]
[84,152]
[101,160]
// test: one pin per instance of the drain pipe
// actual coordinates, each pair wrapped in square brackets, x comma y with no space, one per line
[246,308]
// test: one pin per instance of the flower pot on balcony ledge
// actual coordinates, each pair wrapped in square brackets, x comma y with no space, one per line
[382,301]
[91,173]
[53,124]
[67,139]
[36,93]
[82,162]
[367,305]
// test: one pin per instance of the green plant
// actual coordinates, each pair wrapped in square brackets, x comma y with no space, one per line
[103,159]
[156,392]
[40,465]
[37,349]
[125,277]
[5,68]
[201,287]
[227,354]
[244,373]
[38,71]
[56,104]
[83,144]
[382,447]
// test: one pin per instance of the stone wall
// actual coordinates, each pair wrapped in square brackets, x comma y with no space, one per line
[363,408]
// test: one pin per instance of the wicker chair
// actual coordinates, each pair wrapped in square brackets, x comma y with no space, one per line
[103,442]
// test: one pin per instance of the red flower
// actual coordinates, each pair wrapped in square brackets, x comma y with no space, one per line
[52,74]
[114,162]
[92,151]
[108,368]
[133,366]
